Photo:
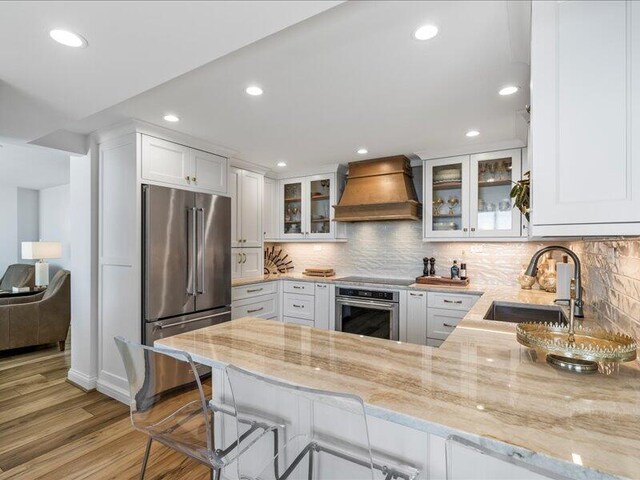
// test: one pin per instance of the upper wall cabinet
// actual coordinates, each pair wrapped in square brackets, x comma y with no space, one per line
[245,188]
[469,196]
[585,118]
[176,165]
[301,209]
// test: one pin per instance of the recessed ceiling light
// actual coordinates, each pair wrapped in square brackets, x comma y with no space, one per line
[508,90]
[281,164]
[171,118]
[254,91]
[426,32]
[363,151]
[472,133]
[67,38]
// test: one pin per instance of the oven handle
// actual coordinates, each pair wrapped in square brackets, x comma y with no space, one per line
[365,303]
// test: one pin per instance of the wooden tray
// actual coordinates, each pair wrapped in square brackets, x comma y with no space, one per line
[319,272]
[442,281]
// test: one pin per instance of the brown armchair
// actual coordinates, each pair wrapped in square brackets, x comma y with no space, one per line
[18,275]
[37,319]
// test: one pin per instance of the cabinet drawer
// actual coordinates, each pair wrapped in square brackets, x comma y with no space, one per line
[253,290]
[298,306]
[263,307]
[305,288]
[299,321]
[441,322]
[432,342]
[451,301]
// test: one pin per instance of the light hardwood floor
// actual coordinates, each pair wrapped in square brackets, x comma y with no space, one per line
[51,429]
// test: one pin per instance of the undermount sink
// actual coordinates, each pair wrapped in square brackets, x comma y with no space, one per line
[519,314]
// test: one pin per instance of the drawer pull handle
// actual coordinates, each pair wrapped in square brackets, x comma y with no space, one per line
[297,287]
[416,294]
[298,306]
[252,290]
[449,325]
[453,301]
[255,310]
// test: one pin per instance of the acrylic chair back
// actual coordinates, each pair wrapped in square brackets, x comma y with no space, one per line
[323,434]
[175,415]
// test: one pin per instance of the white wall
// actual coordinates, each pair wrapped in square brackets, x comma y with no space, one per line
[28,219]
[18,223]
[8,227]
[84,268]
[55,224]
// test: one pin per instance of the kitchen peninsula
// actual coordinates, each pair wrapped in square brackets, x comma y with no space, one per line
[480,384]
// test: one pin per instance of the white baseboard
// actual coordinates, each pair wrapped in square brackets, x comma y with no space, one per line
[111,386]
[82,380]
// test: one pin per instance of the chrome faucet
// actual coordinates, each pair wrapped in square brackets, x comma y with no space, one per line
[532,270]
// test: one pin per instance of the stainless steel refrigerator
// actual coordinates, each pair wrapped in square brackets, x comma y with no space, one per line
[186,242]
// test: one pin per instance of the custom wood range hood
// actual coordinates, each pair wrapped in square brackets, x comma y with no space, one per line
[379,189]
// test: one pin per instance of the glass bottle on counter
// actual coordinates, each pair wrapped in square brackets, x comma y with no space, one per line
[455,270]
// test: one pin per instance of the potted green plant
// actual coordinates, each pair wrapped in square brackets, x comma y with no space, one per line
[520,194]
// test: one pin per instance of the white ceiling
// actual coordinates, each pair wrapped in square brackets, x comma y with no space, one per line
[28,166]
[354,76]
[133,46]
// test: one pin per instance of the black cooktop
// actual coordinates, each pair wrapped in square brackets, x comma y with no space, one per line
[403,282]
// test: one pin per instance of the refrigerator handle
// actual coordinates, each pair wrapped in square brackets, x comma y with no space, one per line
[191,240]
[201,251]
[145,246]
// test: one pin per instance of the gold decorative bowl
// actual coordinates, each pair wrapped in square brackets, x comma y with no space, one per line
[591,344]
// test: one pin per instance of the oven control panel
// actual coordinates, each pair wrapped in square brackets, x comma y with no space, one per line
[372,294]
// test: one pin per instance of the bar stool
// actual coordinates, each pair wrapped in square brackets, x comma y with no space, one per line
[501,466]
[324,435]
[178,416]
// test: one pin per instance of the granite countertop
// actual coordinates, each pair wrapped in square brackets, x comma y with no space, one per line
[479,383]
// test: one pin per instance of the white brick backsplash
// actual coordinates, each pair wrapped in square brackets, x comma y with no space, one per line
[396,249]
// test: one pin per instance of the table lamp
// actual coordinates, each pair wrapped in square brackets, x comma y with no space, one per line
[41,251]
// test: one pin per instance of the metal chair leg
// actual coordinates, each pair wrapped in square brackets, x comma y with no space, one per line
[146,458]
[311,452]
[216,473]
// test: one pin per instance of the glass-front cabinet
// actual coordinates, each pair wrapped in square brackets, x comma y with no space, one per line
[445,209]
[491,210]
[306,209]
[468,196]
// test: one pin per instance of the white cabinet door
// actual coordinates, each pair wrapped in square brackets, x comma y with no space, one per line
[252,259]
[318,211]
[270,209]
[440,322]
[322,306]
[233,182]
[585,118]
[446,198]
[298,306]
[491,179]
[236,263]
[250,208]
[417,317]
[166,162]
[209,171]
[292,198]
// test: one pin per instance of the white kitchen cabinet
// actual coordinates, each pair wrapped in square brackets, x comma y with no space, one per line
[166,162]
[177,165]
[468,197]
[209,171]
[255,300]
[444,312]
[441,322]
[322,301]
[416,317]
[305,208]
[585,118]
[246,262]
[270,209]
[246,208]
[492,176]
[299,306]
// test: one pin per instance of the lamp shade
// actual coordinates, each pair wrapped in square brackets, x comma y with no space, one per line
[40,250]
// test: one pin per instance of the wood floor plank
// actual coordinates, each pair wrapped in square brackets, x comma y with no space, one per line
[51,429]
